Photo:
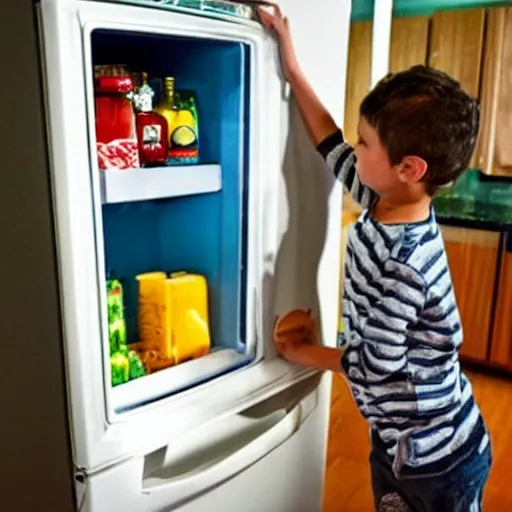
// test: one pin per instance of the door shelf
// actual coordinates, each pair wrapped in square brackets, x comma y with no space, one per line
[124,186]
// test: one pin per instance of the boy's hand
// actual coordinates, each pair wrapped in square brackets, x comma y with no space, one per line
[294,337]
[292,332]
[275,21]
[292,349]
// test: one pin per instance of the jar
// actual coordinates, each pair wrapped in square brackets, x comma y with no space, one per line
[114,109]
[116,138]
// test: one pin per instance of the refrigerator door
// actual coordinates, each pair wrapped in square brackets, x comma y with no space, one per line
[293,221]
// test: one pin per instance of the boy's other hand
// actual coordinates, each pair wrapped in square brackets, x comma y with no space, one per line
[273,19]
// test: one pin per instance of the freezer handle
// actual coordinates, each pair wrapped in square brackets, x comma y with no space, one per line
[267,433]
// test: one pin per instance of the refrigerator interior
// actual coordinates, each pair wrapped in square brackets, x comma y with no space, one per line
[178,218]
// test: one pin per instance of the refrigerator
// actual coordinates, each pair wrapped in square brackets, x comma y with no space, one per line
[250,224]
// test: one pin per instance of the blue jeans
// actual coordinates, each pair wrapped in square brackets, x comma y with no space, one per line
[459,490]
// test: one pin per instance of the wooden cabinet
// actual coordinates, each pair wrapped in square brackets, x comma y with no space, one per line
[501,340]
[409,42]
[358,75]
[472,259]
[472,45]
[456,45]
[408,46]
[495,150]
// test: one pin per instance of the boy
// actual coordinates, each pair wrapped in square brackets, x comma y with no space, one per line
[417,131]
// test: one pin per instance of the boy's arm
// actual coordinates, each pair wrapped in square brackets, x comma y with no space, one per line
[328,139]
[316,356]
[383,349]
[341,159]
[319,122]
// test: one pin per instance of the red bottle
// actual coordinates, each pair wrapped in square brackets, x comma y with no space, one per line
[152,128]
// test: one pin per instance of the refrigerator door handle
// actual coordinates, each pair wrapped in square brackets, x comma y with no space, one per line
[194,474]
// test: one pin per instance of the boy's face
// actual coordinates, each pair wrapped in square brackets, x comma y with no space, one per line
[373,166]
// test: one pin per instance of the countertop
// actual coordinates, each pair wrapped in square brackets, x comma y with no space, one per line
[476,201]
[453,211]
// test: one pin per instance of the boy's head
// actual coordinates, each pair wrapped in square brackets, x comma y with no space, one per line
[417,128]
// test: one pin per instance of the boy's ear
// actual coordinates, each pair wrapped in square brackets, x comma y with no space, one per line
[412,169]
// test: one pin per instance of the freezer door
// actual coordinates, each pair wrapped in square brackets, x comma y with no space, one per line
[267,458]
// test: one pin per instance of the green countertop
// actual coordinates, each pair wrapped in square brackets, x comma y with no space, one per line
[474,199]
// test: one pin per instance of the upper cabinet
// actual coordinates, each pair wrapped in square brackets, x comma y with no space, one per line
[456,44]
[472,45]
[408,46]
[358,75]
[495,150]
[409,42]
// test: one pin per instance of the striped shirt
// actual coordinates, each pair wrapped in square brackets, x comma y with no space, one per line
[402,333]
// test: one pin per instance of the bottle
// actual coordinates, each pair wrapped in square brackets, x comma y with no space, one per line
[152,128]
[119,364]
[115,314]
[184,137]
[166,107]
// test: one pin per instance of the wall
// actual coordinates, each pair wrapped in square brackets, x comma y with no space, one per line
[363,9]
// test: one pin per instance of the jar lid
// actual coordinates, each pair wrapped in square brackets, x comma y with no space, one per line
[114,84]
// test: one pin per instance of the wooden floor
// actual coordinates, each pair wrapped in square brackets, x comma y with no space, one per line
[347,486]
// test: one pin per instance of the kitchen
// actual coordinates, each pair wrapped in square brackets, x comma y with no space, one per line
[472,41]
[86,427]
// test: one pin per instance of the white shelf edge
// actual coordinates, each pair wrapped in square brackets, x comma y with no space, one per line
[124,186]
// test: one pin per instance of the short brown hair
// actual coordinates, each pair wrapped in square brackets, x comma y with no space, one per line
[424,112]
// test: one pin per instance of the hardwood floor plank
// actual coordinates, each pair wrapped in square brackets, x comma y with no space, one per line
[347,485]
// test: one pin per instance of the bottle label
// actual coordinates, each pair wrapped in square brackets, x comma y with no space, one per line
[143,99]
[152,134]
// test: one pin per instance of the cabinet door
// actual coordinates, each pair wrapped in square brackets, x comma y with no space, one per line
[456,47]
[501,341]
[495,150]
[358,75]
[503,153]
[409,42]
[490,88]
[472,258]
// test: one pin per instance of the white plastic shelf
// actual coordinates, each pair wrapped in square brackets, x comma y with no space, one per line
[124,186]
